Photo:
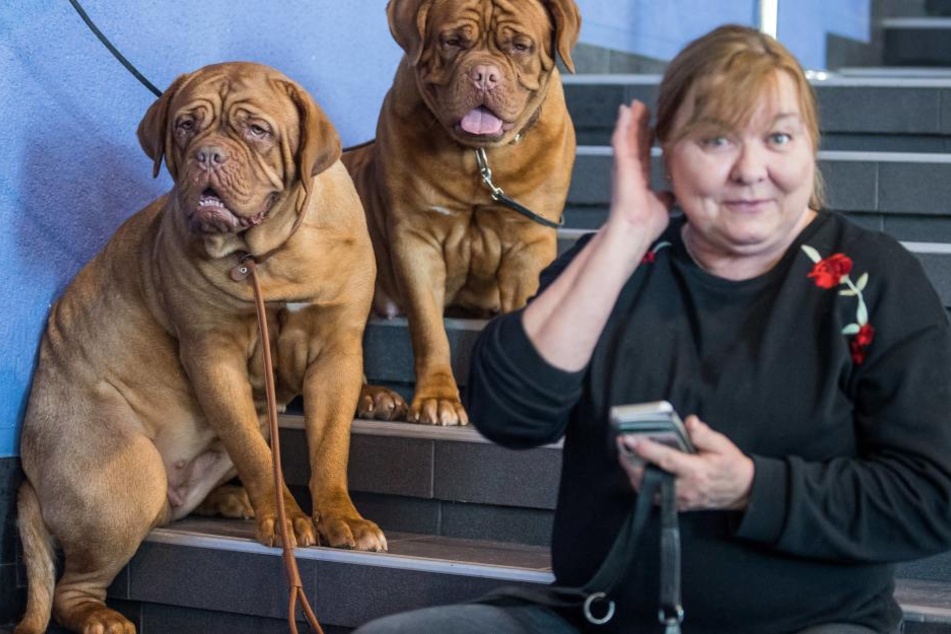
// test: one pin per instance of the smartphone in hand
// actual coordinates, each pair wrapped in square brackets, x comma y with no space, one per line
[656,420]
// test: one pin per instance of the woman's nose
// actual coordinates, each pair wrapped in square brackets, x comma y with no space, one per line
[750,164]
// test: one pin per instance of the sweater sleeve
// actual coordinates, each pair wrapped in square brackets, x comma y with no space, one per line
[514,397]
[892,500]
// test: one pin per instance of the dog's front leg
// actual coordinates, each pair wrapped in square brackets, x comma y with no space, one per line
[321,352]
[217,366]
[520,268]
[421,274]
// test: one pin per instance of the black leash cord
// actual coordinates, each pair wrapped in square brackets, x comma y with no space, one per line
[112,49]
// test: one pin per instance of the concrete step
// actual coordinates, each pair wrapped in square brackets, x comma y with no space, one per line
[887,114]
[449,482]
[210,576]
[184,576]
[917,41]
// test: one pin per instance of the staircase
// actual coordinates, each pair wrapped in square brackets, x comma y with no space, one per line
[462,515]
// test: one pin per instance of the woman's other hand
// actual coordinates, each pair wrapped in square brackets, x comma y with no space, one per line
[718,476]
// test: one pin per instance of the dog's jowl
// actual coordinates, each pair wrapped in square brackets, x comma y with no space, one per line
[149,391]
[477,75]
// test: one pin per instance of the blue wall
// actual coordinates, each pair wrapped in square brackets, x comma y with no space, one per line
[71,169]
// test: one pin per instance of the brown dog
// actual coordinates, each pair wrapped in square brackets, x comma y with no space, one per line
[149,391]
[476,74]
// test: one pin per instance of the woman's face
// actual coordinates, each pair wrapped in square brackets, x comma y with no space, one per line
[746,192]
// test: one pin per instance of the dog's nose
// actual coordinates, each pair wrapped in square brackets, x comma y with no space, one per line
[210,156]
[485,76]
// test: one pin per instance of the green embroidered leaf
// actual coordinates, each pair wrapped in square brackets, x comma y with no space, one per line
[862,282]
[861,315]
[812,253]
[851,329]
[847,292]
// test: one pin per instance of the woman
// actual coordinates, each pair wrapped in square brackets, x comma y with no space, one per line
[812,356]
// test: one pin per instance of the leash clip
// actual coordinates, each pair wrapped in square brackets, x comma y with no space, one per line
[483,163]
[499,196]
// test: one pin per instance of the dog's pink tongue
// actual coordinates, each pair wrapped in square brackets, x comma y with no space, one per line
[481,121]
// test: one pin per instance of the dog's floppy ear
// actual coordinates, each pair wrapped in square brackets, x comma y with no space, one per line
[319,144]
[567,28]
[407,20]
[153,132]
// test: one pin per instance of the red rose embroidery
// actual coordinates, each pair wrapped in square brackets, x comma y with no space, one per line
[829,272]
[865,335]
[860,342]
[832,272]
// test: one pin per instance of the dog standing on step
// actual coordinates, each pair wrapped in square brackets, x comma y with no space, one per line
[149,392]
[477,75]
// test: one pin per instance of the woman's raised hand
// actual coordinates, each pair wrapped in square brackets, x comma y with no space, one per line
[633,203]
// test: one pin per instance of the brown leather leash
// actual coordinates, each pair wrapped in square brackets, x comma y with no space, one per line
[247,268]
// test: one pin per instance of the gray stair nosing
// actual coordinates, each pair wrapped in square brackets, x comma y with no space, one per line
[817,78]
[354,557]
[823,155]
[456,323]
[920,22]
[898,72]
[465,433]
[925,613]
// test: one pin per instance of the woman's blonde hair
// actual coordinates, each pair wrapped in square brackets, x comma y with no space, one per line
[723,74]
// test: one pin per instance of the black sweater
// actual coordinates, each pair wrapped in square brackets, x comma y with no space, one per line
[838,386]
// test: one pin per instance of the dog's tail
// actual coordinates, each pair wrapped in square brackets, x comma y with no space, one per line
[38,556]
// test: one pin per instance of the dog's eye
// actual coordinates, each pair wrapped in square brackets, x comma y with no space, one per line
[186,125]
[257,131]
[521,47]
[452,41]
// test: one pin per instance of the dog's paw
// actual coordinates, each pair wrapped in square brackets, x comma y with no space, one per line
[92,617]
[300,530]
[227,501]
[437,411]
[353,533]
[380,403]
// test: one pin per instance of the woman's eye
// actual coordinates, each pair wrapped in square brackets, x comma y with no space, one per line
[779,138]
[715,142]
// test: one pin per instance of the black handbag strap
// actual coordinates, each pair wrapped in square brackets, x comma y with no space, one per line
[594,597]
[671,612]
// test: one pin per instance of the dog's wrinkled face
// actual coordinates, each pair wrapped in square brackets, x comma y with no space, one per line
[234,137]
[483,66]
